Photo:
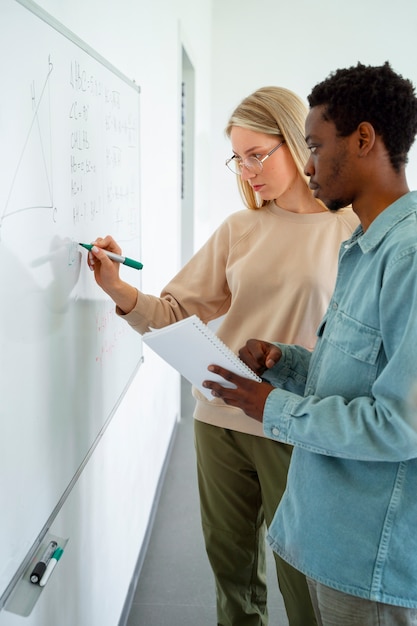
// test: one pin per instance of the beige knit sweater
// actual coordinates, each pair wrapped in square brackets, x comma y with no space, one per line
[269,272]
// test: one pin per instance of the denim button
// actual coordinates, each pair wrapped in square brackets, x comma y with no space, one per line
[275,431]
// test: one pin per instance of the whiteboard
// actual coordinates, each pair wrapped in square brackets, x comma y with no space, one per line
[69,163]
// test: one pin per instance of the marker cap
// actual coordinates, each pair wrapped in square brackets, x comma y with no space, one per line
[58,553]
[38,572]
[131,263]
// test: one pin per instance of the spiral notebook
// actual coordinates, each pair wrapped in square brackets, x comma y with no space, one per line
[190,346]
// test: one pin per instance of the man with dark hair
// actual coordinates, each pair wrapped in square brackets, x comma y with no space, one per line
[348,518]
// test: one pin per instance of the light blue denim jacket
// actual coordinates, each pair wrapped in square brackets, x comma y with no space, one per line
[348,517]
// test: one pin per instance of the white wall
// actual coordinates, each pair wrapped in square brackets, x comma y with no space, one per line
[296,43]
[106,515]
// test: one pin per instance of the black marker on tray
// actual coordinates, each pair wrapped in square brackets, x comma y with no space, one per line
[40,567]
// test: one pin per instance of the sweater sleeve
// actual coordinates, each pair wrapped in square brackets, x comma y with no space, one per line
[200,288]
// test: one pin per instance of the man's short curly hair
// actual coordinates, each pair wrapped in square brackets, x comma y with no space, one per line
[371,94]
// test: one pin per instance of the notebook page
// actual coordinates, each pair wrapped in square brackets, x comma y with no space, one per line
[190,347]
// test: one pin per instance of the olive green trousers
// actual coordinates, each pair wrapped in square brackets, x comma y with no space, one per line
[241,481]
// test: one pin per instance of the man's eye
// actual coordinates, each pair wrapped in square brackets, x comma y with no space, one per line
[312,149]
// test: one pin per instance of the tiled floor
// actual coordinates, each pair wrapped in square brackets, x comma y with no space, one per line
[175,587]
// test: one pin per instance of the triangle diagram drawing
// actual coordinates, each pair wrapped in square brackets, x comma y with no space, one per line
[31,187]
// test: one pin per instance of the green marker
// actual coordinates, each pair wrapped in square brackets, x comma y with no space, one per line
[116,257]
[51,566]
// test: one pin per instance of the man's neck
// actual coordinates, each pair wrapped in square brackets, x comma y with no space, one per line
[370,205]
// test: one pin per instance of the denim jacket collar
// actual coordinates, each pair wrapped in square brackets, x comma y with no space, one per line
[385,221]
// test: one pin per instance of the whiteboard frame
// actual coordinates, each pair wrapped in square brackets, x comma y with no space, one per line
[63,30]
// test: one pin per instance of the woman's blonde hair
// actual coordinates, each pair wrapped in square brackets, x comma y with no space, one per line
[274,111]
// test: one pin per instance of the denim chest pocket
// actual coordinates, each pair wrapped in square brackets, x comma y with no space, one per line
[348,359]
[354,338]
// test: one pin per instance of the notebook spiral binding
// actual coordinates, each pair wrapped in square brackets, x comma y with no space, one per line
[228,353]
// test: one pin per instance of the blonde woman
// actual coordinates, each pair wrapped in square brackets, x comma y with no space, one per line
[280,251]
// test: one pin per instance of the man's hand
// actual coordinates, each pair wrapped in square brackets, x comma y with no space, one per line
[260,355]
[249,395]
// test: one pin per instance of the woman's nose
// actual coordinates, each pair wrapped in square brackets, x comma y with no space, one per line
[246,173]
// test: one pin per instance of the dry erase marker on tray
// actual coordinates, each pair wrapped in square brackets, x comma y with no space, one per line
[116,257]
[40,567]
[51,566]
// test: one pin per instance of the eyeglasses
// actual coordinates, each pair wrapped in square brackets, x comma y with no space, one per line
[254,165]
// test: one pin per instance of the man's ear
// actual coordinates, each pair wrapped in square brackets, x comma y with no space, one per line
[366,138]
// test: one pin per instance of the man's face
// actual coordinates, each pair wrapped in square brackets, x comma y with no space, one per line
[329,164]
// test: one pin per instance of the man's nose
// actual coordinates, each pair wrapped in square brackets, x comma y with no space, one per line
[309,168]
